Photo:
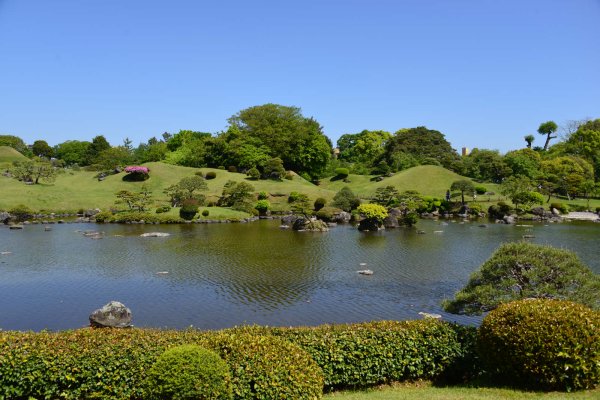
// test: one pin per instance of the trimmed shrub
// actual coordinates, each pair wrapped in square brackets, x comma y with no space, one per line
[319,203]
[253,173]
[542,344]
[189,372]
[267,367]
[560,207]
[263,195]
[475,208]
[163,209]
[103,216]
[327,213]
[221,167]
[293,197]
[210,175]
[289,175]
[205,213]
[199,173]
[232,168]
[262,206]
[189,209]
[499,211]
[480,189]
[342,172]
[21,212]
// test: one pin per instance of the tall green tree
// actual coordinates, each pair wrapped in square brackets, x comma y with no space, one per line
[98,145]
[548,128]
[34,171]
[363,147]
[16,143]
[486,165]
[41,148]
[73,152]
[425,145]
[286,133]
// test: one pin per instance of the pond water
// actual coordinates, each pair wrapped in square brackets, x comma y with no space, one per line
[222,275]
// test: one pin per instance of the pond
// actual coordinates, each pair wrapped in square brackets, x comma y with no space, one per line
[222,275]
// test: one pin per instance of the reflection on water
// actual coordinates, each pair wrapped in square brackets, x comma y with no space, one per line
[227,274]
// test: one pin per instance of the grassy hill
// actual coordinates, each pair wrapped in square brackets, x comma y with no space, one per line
[73,190]
[8,155]
[429,180]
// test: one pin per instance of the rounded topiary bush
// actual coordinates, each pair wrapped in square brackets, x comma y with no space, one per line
[267,367]
[188,209]
[205,213]
[542,344]
[210,175]
[342,172]
[189,372]
[319,203]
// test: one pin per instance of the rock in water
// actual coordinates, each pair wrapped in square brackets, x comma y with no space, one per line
[155,234]
[112,315]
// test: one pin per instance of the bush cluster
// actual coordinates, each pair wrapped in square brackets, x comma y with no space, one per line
[542,344]
[342,172]
[320,202]
[163,209]
[563,208]
[135,216]
[189,208]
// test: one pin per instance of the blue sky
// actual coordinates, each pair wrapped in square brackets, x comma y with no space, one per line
[484,73]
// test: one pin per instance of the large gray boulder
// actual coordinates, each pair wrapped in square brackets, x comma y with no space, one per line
[391,221]
[4,217]
[342,217]
[112,315]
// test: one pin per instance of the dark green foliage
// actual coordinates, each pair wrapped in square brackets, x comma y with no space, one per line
[199,173]
[327,213]
[525,270]
[386,196]
[136,216]
[283,132]
[253,173]
[262,195]
[104,216]
[419,144]
[563,208]
[342,172]
[542,344]
[41,148]
[273,168]
[363,147]
[237,195]
[480,189]
[345,199]
[499,210]
[189,372]
[21,213]
[366,354]
[466,366]
[547,128]
[210,175]
[189,208]
[293,197]
[319,203]
[205,213]
[486,165]
[232,168]
[73,152]
[163,209]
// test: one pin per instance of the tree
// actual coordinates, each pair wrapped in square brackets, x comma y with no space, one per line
[286,133]
[135,201]
[567,174]
[345,199]
[386,196]
[34,171]
[519,189]
[274,168]
[112,158]
[186,188]
[73,152]
[41,148]
[302,205]
[421,143]
[524,162]
[524,270]
[363,147]
[237,195]
[486,165]
[98,145]
[463,186]
[529,139]
[548,128]
[585,143]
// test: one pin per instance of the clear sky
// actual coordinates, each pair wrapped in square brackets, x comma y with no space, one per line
[483,72]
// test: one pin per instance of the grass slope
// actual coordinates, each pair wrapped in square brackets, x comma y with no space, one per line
[8,155]
[429,180]
[79,189]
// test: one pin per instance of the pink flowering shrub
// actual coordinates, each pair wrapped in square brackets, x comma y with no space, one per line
[136,173]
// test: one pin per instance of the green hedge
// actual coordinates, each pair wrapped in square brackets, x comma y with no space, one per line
[542,344]
[366,354]
[265,363]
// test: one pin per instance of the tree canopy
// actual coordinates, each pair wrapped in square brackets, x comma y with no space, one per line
[523,270]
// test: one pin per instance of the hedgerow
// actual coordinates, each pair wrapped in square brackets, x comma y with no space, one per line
[366,354]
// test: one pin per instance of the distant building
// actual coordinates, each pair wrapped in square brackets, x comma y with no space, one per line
[465,151]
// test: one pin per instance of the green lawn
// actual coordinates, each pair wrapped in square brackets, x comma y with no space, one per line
[73,190]
[425,391]
[8,155]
